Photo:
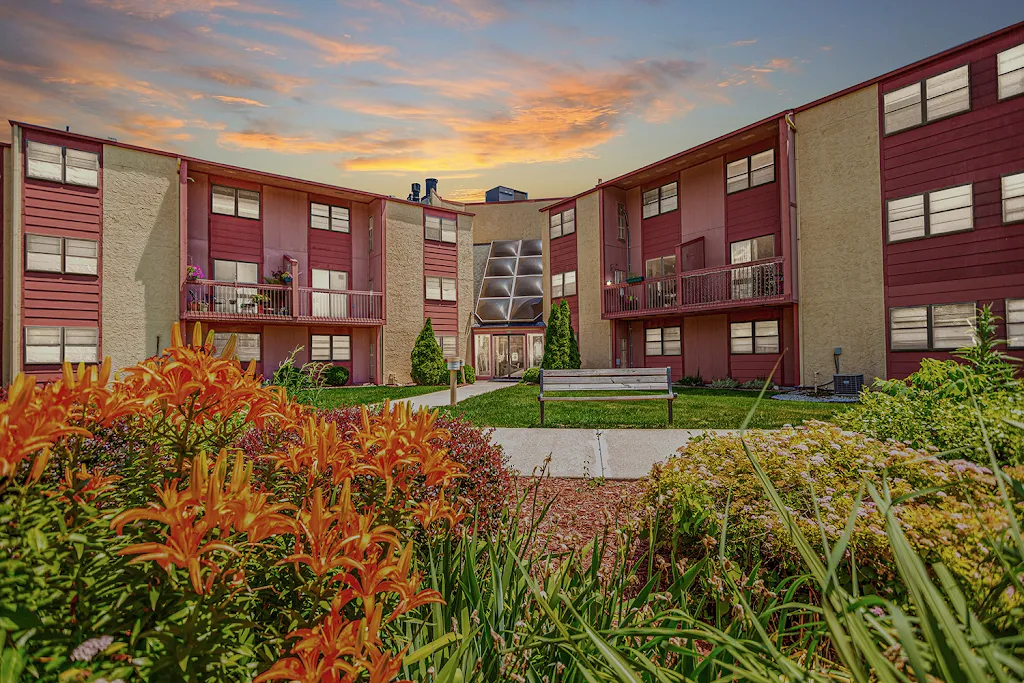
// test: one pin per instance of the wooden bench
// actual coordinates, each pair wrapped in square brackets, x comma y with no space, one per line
[611,380]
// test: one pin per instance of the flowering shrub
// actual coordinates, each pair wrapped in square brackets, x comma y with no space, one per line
[818,469]
[186,558]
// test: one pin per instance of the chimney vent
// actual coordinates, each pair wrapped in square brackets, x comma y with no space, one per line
[431,188]
[415,196]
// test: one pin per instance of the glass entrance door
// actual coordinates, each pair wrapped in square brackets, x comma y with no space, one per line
[509,355]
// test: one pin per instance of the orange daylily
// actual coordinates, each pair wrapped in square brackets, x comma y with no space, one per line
[427,512]
[83,486]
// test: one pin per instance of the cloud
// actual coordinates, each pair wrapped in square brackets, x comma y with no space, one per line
[160,9]
[743,43]
[466,195]
[332,51]
[238,100]
[459,13]
[757,74]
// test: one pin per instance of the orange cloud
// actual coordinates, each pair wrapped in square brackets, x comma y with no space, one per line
[160,9]
[332,51]
[238,100]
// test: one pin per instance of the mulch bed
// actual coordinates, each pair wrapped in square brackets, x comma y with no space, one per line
[583,509]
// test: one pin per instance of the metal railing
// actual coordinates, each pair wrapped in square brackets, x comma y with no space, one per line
[696,290]
[212,300]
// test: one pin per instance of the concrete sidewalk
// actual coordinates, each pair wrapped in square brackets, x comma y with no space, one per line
[609,453]
[442,398]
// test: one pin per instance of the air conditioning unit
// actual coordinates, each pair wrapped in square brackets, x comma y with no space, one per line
[847,385]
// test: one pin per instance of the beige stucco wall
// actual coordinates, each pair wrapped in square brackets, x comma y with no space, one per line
[508,220]
[595,333]
[8,266]
[12,257]
[403,281]
[840,237]
[141,250]
[466,285]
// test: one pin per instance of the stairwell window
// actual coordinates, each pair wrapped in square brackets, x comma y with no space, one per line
[327,217]
[935,98]
[563,284]
[659,200]
[62,164]
[562,223]
[231,201]
[663,341]
[935,327]
[441,288]
[933,213]
[448,345]
[1012,187]
[59,344]
[46,253]
[1015,323]
[247,344]
[438,229]
[757,169]
[1010,70]
[330,347]
[759,336]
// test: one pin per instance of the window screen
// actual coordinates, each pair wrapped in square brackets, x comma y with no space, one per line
[42,345]
[951,210]
[81,256]
[762,168]
[741,338]
[449,289]
[43,253]
[432,228]
[223,200]
[81,168]
[651,203]
[1013,197]
[341,347]
[652,342]
[906,218]
[948,93]
[247,344]
[1015,323]
[81,344]
[902,108]
[953,326]
[339,219]
[1010,68]
[766,336]
[758,169]
[555,225]
[449,231]
[908,328]
[736,176]
[669,197]
[447,344]
[44,161]
[663,341]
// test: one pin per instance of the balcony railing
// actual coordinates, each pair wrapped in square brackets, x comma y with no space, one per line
[211,300]
[743,284]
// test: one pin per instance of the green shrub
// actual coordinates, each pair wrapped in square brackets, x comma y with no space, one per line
[818,469]
[531,376]
[335,375]
[574,346]
[561,350]
[757,383]
[724,383]
[428,365]
[470,374]
[692,380]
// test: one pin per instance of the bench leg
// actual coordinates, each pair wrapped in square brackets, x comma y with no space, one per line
[670,411]
[541,413]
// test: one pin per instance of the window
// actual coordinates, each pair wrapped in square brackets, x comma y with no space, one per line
[758,169]
[661,200]
[59,344]
[447,344]
[325,304]
[943,95]
[482,354]
[61,254]
[1013,198]
[754,249]
[235,271]
[563,284]
[562,223]
[1010,70]
[247,344]
[326,217]
[370,234]
[935,327]
[441,288]
[230,201]
[663,341]
[660,266]
[439,229]
[623,220]
[759,336]
[933,213]
[62,164]
[618,276]
[1015,323]
[330,347]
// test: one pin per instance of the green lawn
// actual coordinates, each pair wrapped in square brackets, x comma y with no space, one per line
[517,406]
[354,396]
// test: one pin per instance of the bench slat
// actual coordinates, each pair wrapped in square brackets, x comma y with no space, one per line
[605,379]
[640,397]
[607,371]
[618,386]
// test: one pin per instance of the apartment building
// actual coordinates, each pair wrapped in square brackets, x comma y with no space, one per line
[861,229]
[106,245]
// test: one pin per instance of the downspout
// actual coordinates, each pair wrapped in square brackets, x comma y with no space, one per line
[795,221]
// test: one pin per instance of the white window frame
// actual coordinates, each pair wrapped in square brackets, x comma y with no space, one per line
[236,193]
[245,350]
[439,288]
[754,337]
[72,353]
[1011,191]
[750,171]
[937,212]
[440,228]
[562,223]
[919,95]
[448,340]
[661,199]
[1010,72]
[77,172]
[328,304]
[71,264]
[669,341]
[1014,317]
[563,284]
[339,348]
[929,327]
[330,217]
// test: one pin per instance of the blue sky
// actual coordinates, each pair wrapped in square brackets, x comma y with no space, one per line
[545,96]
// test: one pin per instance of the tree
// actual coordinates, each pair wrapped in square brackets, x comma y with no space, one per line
[428,365]
[574,346]
[561,351]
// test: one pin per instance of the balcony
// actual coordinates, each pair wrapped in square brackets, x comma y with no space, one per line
[283,304]
[709,289]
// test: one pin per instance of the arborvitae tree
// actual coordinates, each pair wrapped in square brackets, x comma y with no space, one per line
[555,355]
[574,345]
[428,365]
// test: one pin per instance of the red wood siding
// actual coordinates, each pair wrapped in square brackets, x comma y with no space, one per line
[662,233]
[978,146]
[232,238]
[563,249]
[674,362]
[441,259]
[50,208]
[755,211]
[330,250]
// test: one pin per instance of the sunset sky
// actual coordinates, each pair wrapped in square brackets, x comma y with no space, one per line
[546,96]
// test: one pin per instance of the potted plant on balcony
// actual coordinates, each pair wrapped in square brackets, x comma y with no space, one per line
[279,277]
[193,273]
[258,300]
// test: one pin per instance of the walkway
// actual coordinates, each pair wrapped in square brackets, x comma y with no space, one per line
[609,453]
[442,398]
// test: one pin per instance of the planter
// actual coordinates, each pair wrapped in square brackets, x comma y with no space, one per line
[634,280]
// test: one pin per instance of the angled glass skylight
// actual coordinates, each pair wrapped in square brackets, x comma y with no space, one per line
[513,286]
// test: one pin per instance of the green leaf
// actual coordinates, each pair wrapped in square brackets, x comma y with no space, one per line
[37,540]
[430,648]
